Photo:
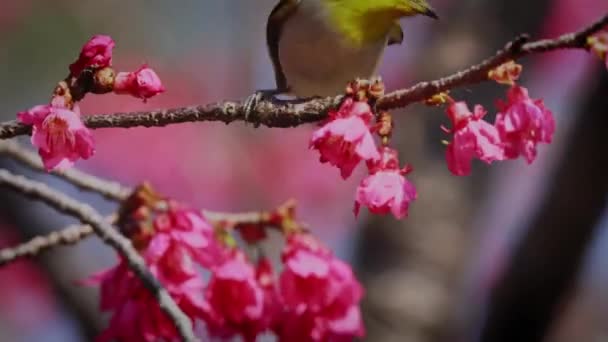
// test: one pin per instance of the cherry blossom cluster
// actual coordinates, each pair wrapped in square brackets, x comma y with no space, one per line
[347,139]
[57,128]
[521,124]
[315,297]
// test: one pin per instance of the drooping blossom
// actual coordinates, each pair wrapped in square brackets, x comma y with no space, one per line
[142,83]
[174,242]
[473,138]
[345,140]
[522,123]
[320,294]
[96,53]
[240,299]
[186,231]
[136,314]
[386,190]
[59,135]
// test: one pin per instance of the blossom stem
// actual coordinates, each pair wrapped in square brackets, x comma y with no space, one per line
[109,235]
[273,114]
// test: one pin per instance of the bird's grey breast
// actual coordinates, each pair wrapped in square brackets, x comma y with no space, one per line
[319,60]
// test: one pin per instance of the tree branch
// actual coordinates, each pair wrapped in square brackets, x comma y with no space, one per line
[67,236]
[109,235]
[75,233]
[108,189]
[279,114]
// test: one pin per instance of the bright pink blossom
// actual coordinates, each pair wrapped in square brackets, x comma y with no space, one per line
[184,232]
[180,240]
[523,123]
[59,134]
[320,294]
[386,189]
[136,315]
[346,139]
[238,303]
[96,53]
[142,83]
[473,138]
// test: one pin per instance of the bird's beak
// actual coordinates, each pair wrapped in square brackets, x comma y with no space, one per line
[429,12]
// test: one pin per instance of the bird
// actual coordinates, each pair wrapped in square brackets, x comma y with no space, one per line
[318,46]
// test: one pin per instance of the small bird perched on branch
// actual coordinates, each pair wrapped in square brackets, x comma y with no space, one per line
[318,46]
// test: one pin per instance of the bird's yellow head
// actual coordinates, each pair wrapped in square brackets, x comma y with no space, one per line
[363,21]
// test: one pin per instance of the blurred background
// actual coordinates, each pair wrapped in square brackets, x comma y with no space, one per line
[511,253]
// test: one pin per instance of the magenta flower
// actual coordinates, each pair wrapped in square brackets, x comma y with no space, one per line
[320,294]
[386,189]
[187,232]
[473,138]
[180,241]
[136,315]
[142,83]
[523,123]
[96,53]
[238,303]
[346,139]
[59,135]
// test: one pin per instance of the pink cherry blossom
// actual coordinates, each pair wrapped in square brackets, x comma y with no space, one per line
[386,189]
[187,232]
[473,138]
[59,135]
[178,243]
[136,315]
[523,123]
[238,302]
[142,83]
[320,294]
[345,140]
[96,53]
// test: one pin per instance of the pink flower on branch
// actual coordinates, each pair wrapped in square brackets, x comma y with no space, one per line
[386,189]
[96,53]
[473,138]
[175,243]
[320,294]
[136,315]
[59,135]
[522,123]
[242,300]
[142,83]
[346,139]
[183,232]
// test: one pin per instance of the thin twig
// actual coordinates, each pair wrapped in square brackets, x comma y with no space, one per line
[277,114]
[109,235]
[515,49]
[109,189]
[67,236]
[75,233]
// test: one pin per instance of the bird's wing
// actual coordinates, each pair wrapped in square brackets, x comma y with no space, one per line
[395,35]
[276,20]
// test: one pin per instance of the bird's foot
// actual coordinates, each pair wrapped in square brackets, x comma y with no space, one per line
[252,101]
